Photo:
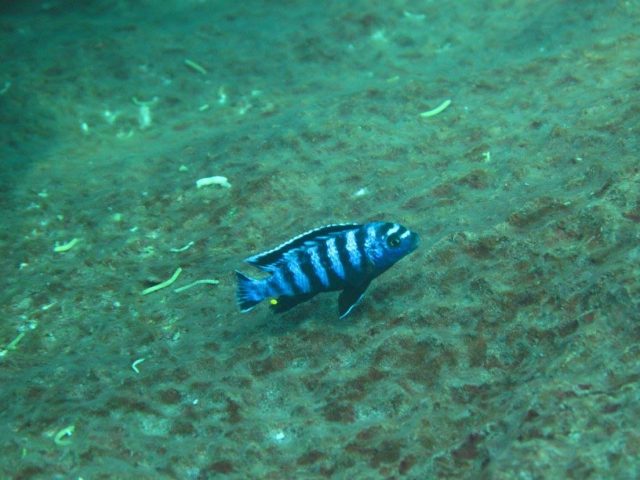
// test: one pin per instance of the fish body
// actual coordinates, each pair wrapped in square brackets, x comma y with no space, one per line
[343,257]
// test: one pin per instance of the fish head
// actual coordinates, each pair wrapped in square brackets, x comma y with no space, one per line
[388,243]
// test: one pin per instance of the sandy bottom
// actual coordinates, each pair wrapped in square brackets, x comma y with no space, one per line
[506,347]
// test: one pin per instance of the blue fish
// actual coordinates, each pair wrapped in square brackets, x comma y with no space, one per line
[343,257]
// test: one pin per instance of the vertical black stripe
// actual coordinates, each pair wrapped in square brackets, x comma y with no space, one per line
[323,252]
[361,235]
[279,283]
[318,266]
[315,285]
[303,285]
[298,284]
[287,276]
[341,244]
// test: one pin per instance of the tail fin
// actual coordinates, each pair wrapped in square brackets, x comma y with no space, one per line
[249,292]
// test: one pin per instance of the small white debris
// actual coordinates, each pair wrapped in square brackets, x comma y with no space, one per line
[245,107]
[435,111]
[144,112]
[144,117]
[182,249]
[361,193]
[196,67]
[216,180]
[64,247]
[122,135]
[278,436]
[222,96]
[379,36]
[44,308]
[418,17]
[134,365]
[5,87]
[63,437]
[110,117]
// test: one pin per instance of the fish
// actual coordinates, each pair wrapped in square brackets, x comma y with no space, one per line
[343,256]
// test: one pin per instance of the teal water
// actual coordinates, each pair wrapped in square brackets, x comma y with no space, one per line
[506,347]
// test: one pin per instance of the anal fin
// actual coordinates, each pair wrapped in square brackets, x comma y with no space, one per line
[350,297]
[283,304]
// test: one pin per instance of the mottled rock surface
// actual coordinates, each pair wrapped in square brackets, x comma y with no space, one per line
[506,347]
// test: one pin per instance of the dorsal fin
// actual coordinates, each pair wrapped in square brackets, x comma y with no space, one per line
[266,260]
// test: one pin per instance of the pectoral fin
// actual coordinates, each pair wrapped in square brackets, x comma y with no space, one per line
[350,297]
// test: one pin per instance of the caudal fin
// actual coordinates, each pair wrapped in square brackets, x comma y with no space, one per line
[249,292]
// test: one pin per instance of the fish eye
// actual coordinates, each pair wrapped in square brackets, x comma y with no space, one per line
[393,241]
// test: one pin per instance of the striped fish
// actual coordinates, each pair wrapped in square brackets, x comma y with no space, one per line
[343,257]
